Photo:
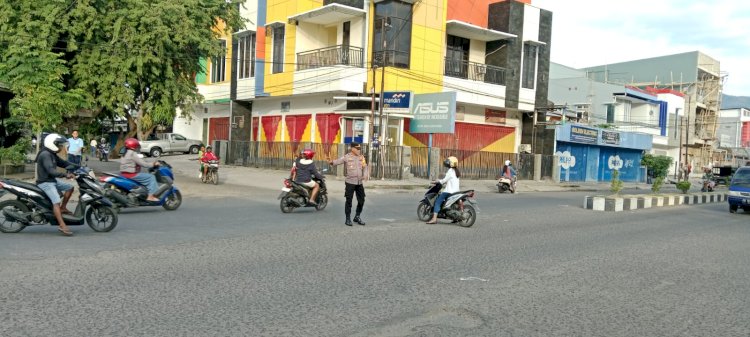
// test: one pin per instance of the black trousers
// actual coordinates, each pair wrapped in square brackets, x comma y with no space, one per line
[350,190]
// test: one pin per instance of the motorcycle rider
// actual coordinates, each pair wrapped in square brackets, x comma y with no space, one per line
[131,164]
[46,163]
[451,182]
[207,157]
[509,172]
[708,179]
[305,171]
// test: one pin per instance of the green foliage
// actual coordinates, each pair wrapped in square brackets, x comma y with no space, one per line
[616,185]
[659,165]
[61,56]
[657,184]
[16,154]
[683,186]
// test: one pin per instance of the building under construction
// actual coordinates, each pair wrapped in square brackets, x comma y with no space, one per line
[694,74]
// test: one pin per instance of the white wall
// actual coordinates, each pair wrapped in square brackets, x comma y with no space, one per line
[329,79]
[477,51]
[482,93]
[191,125]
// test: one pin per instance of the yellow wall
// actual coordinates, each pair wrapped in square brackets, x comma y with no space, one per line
[427,52]
[281,84]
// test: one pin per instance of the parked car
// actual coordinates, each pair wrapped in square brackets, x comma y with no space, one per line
[169,142]
[739,190]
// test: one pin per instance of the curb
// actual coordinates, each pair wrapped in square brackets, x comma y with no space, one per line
[629,203]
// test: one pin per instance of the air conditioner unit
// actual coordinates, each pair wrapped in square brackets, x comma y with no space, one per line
[524,148]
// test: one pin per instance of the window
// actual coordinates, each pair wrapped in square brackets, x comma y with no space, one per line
[246,56]
[528,75]
[392,28]
[219,65]
[278,50]
[457,56]
[178,137]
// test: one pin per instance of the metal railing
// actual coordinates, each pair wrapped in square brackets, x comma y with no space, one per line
[330,56]
[474,71]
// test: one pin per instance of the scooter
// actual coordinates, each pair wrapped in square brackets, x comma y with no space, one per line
[504,184]
[32,206]
[461,207]
[294,195]
[127,193]
[708,185]
[212,173]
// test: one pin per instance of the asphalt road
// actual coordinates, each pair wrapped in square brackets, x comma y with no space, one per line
[229,263]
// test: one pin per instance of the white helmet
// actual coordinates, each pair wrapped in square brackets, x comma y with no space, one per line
[54,142]
[507,162]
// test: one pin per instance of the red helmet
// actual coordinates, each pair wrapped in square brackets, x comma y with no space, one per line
[132,144]
[308,154]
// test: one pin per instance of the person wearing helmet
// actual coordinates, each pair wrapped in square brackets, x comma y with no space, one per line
[305,171]
[47,162]
[510,173]
[207,157]
[451,182]
[131,164]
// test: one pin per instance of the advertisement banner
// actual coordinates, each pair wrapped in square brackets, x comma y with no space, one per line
[609,137]
[583,135]
[494,116]
[396,102]
[434,113]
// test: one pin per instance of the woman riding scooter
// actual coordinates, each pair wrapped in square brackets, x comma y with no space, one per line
[451,183]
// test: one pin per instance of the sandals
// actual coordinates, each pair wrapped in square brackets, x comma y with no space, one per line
[431,222]
[65,211]
[65,232]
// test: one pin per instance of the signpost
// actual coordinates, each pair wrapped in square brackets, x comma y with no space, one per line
[433,113]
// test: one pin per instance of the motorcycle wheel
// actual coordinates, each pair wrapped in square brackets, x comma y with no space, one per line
[502,188]
[322,202]
[733,208]
[215,177]
[472,217]
[9,225]
[284,205]
[173,201]
[424,212]
[101,218]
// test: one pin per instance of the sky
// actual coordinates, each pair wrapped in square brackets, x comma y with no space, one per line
[589,33]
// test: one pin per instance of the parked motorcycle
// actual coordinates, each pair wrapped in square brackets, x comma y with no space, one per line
[461,207]
[294,195]
[212,174]
[505,184]
[32,206]
[103,152]
[127,193]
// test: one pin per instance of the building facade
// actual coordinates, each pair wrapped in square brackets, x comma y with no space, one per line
[306,71]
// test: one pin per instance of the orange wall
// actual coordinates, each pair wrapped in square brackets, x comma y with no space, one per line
[474,12]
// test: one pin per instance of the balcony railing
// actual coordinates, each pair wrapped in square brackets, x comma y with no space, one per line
[330,56]
[474,71]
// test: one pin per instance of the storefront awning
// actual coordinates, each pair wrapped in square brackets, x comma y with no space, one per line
[469,31]
[328,14]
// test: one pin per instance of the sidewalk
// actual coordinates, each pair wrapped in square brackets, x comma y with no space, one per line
[187,168]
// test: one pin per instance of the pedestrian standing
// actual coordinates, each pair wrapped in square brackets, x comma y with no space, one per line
[355,170]
[92,147]
[75,147]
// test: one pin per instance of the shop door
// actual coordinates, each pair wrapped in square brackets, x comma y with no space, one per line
[218,129]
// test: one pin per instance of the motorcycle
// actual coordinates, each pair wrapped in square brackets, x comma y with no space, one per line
[461,207]
[212,174]
[294,195]
[505,184]
[32,206]
[708,185]
[127,193]
[103,152]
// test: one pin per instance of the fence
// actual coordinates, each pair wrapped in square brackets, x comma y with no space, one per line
[390,162]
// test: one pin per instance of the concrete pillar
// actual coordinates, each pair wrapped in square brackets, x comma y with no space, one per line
[340,168]
[537,167]
[435,163]
[406,163]
[556,169]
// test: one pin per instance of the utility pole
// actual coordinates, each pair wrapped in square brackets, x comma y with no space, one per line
[372,122]
[383,126]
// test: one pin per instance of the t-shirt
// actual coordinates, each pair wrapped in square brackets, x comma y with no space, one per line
[74,146]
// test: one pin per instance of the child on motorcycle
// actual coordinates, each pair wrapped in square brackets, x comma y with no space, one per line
[206,159]
[305,170]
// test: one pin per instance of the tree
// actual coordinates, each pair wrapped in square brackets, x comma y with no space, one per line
[657,165]
[121,56]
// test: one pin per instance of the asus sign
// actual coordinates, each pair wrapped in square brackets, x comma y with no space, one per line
[434,113]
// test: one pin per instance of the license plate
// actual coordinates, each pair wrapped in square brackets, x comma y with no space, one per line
[286,189]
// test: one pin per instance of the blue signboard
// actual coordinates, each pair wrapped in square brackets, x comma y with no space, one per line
[583,135]
[434,113]
[396,101]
